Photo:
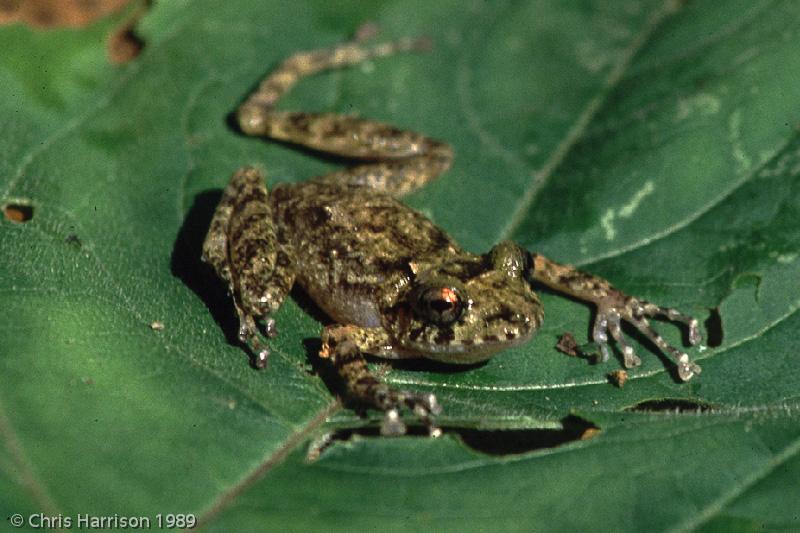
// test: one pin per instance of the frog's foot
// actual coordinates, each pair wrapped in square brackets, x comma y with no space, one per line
[424,406]
[345,346]
[636,312]
[252,338]
[613,306]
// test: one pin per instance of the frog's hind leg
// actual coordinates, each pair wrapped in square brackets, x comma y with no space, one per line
[398,161]
[244,249]
[344,346]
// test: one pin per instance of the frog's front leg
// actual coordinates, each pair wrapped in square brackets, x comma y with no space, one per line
[244,249]
[614,306]
[345,346]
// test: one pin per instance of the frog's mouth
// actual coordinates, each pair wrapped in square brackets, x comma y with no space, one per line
[465,351]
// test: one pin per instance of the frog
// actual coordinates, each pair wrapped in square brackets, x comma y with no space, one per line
[393,283]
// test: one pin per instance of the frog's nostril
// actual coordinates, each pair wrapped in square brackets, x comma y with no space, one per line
[520,318]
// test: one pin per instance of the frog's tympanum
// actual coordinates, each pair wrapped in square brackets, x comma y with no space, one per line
[395,284]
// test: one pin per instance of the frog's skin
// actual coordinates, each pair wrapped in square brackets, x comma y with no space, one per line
[396,285]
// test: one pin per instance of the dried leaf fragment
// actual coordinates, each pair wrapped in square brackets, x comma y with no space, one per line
[46,14]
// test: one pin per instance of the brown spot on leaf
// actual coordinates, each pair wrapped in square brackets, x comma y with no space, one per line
[123,43]
[590,433]
[47,14]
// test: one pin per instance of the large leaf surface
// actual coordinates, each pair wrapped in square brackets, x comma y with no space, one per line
[652,143]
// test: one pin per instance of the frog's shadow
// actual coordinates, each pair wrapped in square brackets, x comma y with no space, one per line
[187,266]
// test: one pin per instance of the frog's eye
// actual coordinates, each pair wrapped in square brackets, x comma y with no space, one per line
[440,305]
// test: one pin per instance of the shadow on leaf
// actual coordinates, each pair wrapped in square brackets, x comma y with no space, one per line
[199,277]
[675,405]
[490,442]
[713,326]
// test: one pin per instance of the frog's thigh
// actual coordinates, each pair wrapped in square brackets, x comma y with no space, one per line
[400,160]
[398,177]
[243,247]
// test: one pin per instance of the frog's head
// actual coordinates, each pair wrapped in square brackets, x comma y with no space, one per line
[466,310]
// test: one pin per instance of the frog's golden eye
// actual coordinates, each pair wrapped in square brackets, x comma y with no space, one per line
[440,305]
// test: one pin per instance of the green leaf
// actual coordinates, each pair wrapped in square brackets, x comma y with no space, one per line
[654,143]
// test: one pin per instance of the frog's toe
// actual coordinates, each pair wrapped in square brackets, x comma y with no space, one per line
[600,334]
[249,336]
[261,358]
[424,406]
[650,310]
[629,357]
[393,425]
[608,322]
[259,352]
[686,367]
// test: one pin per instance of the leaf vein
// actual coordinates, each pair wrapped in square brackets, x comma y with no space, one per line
[717,505]
[273,459]
[579,127]
[703,210]
[30,481]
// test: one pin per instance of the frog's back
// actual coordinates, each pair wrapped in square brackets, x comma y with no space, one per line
[349,241]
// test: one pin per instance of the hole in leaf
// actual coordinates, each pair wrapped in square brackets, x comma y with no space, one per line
[489,442]
[714,328]
[517,441]
[18,212]
[677,405]
[74,240]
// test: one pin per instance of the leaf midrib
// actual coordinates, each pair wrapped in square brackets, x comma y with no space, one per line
[31,481]
[227,497]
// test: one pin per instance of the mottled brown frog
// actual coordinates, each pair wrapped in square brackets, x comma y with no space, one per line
[395,284]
